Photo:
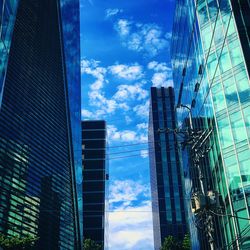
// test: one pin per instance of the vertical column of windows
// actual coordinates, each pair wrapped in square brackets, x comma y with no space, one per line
[164,161]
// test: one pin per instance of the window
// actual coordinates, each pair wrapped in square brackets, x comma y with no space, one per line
[224,60]
[212,63]
[203,15]
[231,95]
[244,160]
[238,127]
[235,52]
[218,97]
[225,133]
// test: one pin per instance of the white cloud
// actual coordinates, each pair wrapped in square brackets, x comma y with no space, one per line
[143,125]
[123,27]
[147,38]
[86,114]
[142,110]
[92,68]
[130,222]
[162,76]
[128,119]
[161,79]
[122,98]
[113,12]
[156,66]
[127,191]
[128,72]
[125,135]
[124,106]
[96,94]
[130,92]
[144,153]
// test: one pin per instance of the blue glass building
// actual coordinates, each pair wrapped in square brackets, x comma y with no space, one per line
[211,78]
[165,169]
[40,126]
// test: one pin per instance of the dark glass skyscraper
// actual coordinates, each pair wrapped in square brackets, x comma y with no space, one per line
[165,168]
[37,153]
[211,78]
[95,176]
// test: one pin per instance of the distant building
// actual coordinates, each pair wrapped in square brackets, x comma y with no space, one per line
[165,169]
[95,176]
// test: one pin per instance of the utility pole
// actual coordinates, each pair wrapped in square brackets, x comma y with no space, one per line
[202,200]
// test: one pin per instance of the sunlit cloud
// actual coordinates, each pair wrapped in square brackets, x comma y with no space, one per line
[86,114]
[130,219]
[125,135]
[113,12]
[144,153]
[148,38]
[128,72]
[126,92]
[143,125]
[123,27]
[142,110]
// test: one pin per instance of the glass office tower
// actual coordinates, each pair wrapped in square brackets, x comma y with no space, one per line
[38,126]
[95,176]
[211,77]
[165,169]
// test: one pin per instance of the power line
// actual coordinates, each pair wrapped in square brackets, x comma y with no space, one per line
[120,157]
[230,215]
[244,232]
[169,149]
[129,145]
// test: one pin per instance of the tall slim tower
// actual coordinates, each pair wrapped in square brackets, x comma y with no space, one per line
[95,177]
[165,169]
[38,194]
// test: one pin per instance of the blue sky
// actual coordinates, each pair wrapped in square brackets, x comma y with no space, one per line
[125,50]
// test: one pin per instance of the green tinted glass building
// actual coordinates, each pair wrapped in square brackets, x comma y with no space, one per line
[211,76]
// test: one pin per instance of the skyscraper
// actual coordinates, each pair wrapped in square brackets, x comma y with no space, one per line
[211,78]
[95,176]
[38,153]
[165,168]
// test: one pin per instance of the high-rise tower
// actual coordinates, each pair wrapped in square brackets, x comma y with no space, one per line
[211,78]
[95,176]
[38,153]
[165,169]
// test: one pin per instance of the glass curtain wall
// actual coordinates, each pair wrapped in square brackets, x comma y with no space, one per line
[70,15]
[230,91]
[211,78]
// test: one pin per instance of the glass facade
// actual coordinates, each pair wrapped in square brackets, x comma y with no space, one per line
[70,13]
[165,169]
[95,175]
[7,19]
[210,70]
[36,126]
